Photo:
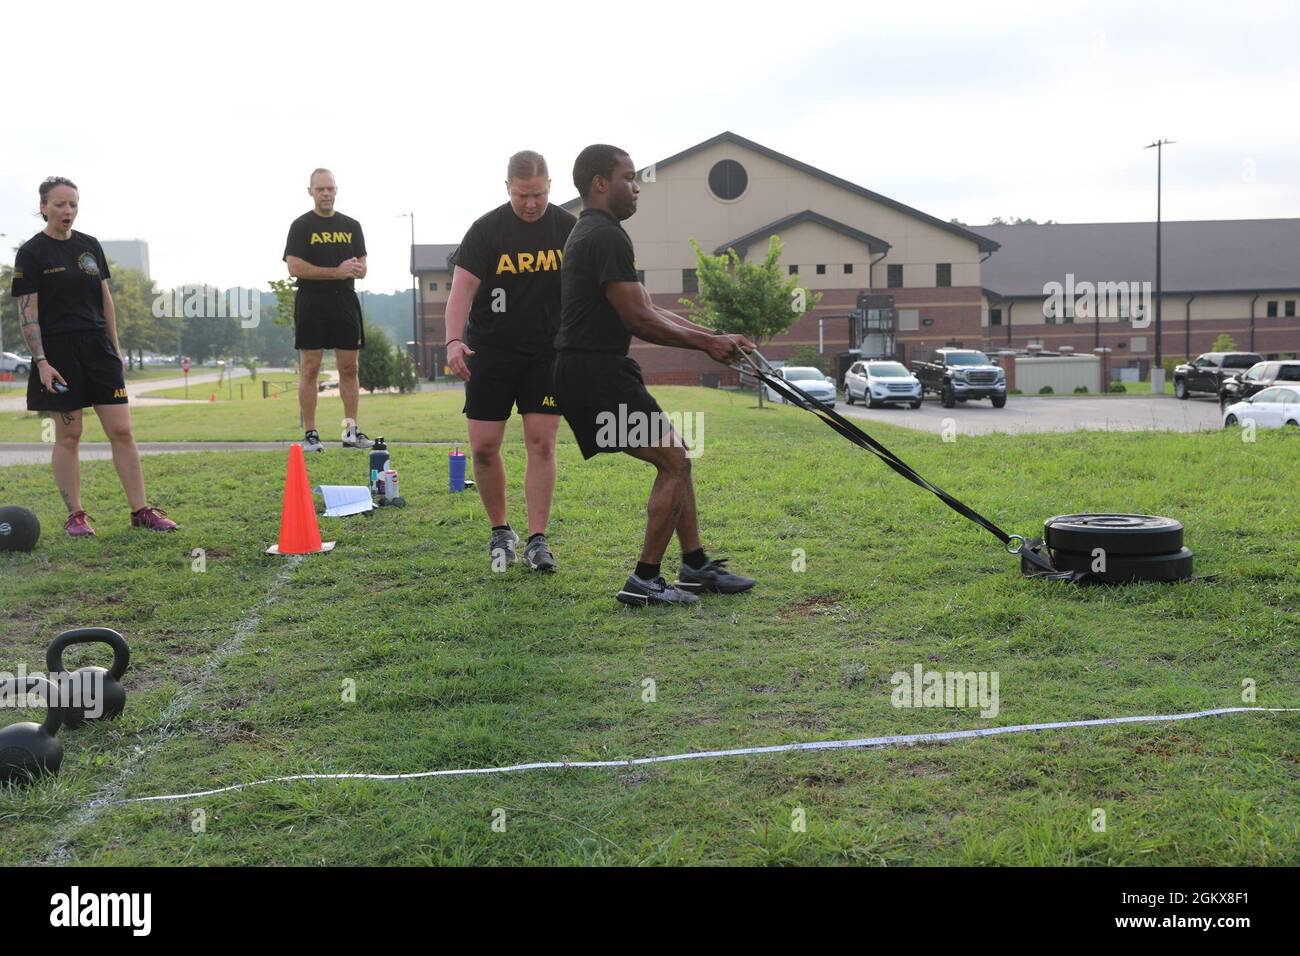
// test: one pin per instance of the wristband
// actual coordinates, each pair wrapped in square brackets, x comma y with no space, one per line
[40,358]
[449,341]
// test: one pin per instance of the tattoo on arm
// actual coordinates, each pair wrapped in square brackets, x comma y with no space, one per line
[29,322]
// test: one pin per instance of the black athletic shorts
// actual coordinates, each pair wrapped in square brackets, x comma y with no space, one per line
[605,402]
[327,319]
[88,363]
[499,380]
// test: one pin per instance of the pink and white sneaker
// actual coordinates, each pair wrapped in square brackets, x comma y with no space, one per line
[155,519]
[78,525]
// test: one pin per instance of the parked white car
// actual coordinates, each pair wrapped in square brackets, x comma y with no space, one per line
[1271,408]
[881,383]
[809,380]
[9,362]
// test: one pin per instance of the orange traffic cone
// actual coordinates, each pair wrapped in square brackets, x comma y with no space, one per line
[299,532]
[212,397]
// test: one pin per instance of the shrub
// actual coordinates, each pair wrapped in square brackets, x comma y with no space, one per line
[1117,387]
[1081,390]
[1047,390]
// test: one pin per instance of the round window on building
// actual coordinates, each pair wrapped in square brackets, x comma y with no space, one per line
[728,180]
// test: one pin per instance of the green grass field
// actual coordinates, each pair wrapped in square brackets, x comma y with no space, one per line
[232,390]
[419,417]
[240,671]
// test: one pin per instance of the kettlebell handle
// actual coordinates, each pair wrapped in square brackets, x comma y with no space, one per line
[90,635]
[54,714]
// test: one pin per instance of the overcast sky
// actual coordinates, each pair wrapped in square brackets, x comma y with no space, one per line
[195,127]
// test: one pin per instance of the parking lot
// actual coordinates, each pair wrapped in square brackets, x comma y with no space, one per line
[1032,414]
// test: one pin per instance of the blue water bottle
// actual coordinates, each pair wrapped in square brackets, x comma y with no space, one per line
[456,469]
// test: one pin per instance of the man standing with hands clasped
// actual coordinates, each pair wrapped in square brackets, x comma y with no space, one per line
[326,253]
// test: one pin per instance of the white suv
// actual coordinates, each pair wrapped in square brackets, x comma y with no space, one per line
[9,362]
[881,383]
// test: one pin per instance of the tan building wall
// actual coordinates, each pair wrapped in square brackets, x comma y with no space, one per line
[678,206]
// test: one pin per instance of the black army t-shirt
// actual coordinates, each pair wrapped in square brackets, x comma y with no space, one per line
[599,252]
[517,263]
[325,241]
[66,275]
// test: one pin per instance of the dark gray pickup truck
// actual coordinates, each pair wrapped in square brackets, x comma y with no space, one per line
[957,375]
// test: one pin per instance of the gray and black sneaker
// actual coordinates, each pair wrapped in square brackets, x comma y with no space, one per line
[639,593]
[312,442]
[502,547]
[355,439]
[537,555]
[713,578]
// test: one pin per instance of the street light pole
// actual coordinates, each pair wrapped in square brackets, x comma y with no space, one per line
[1159,145]
[415,299]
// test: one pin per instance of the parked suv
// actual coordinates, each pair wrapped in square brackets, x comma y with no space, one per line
[960,374]
[1207,372]
[881,382]
[1258,377]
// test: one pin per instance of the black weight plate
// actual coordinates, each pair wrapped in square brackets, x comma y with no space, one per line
[1114,533]
[1176,566]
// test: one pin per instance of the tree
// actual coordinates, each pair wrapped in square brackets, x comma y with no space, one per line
[806,355]
[10,334]
[1017,221]
[137,327]
[285,293]
[376,365]
[748,298]
[407,377]
[1224,343]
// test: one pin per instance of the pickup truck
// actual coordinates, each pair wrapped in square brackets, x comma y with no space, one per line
[1208,372]
[957,375]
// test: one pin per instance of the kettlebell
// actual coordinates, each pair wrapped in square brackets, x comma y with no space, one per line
[29,750]
[112,699]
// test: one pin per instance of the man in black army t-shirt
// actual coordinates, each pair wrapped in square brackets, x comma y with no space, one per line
[326,252]
[502,315]
[603,305]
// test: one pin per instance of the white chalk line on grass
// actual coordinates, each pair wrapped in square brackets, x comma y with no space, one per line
[61,851]
[865,742]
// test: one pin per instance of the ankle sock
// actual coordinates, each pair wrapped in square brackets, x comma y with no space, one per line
[647,572]
[501,527]
[695,559]
[540,534]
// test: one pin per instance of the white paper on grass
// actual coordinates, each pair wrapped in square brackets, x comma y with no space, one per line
[343,500]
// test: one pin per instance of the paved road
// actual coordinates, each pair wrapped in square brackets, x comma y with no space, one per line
[18,402]
[1023,414]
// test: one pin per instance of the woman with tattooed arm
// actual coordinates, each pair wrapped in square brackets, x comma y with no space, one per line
[65,312]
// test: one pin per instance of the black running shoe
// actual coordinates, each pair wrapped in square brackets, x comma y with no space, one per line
[501,548]
[713,578]
[639,592]
[537,555]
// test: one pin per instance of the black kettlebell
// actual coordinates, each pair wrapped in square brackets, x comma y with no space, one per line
[29,750]
[82,703]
